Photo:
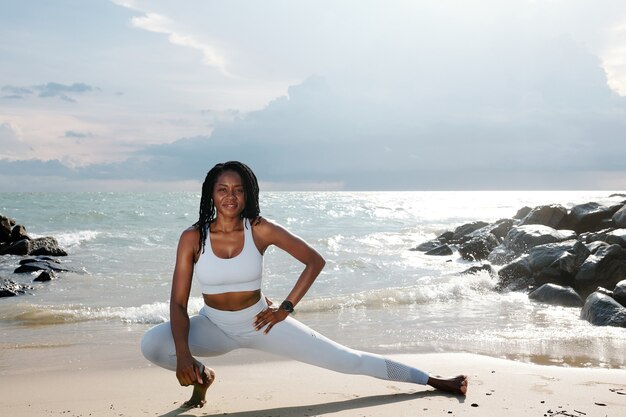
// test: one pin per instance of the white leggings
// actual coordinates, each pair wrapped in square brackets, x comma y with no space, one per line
[214,332]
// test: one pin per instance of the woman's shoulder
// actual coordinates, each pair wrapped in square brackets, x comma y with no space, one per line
[192,232]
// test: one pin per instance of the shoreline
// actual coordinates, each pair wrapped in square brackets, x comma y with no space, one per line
[261,386]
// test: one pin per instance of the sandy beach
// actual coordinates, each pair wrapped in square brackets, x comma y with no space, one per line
[264,386]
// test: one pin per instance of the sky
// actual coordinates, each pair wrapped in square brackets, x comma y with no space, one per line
[147,95]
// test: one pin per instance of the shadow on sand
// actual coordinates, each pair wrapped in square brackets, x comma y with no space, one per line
[324,408]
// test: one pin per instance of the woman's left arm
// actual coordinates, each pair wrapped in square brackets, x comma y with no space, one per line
[270,233]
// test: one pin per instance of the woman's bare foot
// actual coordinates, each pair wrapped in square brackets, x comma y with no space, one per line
[198,397]
[456,385]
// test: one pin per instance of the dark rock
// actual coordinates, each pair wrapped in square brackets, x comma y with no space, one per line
[515,276]
[619,218]
[521,238]
[500,228]
[556,263]
[461,232]
[557,295]
[479,247]
[443,250]
[604,291]
[21,247]
[500,255]
[598,235]
[38,259]
[594,246]
[550,216]
[5,229]
[589,217]
[616,237]
[426,246]
[477,269]
[9,288]
[19,232]
[521,213]
[602,310]
[445,237]
[605,268]
[434,243]
[619,292]
[45,276]
[43,265]
[46,246]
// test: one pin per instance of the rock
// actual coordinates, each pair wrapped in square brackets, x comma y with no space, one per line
[443,250]
[500,255]
[515,276]
[9,288]
[556,263]
[598,235]
[605,268]
[499,229]
[521,238]
[594,246]
[461,232]
[43,265]
[521,213]
[38,259]
[589,217]
[45,276]
[46,246]
[18,232]
[550,216]
[602,310]
[477,269]
[619,292]
[434,243]
[557,295]
[478,248]
[616,237]
[426,246]
[619,218]
[21,247]
[5,229]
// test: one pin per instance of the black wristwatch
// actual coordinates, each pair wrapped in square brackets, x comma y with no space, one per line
[287,306]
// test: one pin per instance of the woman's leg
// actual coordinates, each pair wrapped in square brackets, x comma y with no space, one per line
[297,341]
[205,339]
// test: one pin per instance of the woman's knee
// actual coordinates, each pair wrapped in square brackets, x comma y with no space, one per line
[156,342]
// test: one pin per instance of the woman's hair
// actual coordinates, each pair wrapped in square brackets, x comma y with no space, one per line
[251,208]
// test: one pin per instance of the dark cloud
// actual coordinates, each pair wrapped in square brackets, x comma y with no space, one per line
[36,167]
[77,135]
[51,89]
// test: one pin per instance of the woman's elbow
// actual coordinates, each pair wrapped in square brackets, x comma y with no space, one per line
[319,262]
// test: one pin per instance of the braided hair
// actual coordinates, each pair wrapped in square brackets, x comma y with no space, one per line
[207,205]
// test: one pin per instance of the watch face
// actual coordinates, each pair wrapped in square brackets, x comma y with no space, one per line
[287,306]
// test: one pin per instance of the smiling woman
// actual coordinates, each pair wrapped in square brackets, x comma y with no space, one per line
[225,250]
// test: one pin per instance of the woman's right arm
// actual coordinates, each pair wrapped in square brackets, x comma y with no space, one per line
[187,370]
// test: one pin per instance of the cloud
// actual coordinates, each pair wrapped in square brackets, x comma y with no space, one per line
[77,135]
[157,23]
[11,144]
[51,89]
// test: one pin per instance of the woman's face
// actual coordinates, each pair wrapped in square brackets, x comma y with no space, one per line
[228,194]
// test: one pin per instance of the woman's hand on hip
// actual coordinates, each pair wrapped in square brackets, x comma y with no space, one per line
[269,318]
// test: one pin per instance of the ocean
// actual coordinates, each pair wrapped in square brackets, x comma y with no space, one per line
[374,294]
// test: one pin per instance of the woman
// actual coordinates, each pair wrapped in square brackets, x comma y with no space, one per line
[225,250]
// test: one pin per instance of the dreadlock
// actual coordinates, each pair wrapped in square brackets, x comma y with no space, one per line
[207,205]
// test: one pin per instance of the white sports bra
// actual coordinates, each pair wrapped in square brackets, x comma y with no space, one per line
[242,273]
